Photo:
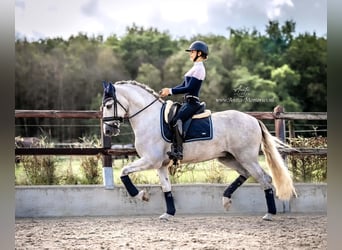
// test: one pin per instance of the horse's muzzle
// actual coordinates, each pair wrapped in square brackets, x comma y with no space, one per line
[111,129]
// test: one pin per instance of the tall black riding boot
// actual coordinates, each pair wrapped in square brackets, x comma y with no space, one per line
[177,143]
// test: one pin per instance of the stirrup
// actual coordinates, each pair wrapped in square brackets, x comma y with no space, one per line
[179,156]
[175,155]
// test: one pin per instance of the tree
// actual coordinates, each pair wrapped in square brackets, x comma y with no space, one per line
[277,41]
[141,45]
[250,92]
[217,83]
[307,55]
[286,79]
[149,75]
[175,67]
[247,47]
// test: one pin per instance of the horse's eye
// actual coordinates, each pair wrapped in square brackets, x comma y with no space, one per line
[109,106]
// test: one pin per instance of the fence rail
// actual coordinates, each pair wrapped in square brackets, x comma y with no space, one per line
[74,151]
[289,115]
[127,152]
[86,114]
[92,114]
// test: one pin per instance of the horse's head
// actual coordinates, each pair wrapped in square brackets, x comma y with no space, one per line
[124,100]
[113,112]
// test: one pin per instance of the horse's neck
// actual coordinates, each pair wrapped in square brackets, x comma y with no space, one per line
[147,120]
[138,100]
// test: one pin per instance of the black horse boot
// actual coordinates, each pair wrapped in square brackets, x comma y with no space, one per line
[176,152]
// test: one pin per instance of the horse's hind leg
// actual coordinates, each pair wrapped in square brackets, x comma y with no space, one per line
[233,164]
[265,181]
[245,170]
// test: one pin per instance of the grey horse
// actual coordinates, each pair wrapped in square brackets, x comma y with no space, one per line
[237,138]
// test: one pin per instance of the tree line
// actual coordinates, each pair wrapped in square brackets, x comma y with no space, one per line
[246,70]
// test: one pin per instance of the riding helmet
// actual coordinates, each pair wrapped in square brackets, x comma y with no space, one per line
[199,46]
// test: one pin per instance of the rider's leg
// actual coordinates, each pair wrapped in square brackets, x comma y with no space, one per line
[185,113]
[177,142]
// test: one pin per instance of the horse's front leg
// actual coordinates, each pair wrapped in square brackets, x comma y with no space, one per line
[166,187]
[135,166]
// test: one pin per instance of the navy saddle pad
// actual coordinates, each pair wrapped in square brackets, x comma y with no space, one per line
[199,129]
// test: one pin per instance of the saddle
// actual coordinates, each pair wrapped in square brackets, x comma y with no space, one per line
[171,109]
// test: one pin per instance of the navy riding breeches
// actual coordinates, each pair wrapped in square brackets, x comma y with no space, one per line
[186,111]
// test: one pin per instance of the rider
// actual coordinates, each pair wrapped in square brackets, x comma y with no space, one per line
[190,87]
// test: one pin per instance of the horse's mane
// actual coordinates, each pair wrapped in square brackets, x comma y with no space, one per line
[141,85]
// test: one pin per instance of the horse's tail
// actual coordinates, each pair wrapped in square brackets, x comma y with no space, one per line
[279,172]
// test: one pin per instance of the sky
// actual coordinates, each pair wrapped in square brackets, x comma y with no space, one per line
[41,19]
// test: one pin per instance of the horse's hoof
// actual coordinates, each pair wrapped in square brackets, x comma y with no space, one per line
[143,195]
[146,196]
[227,202]
[267,217]
[166,216]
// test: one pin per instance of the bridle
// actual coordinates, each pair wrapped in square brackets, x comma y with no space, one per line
[117,119]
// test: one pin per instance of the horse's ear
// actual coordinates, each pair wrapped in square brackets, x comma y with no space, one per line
[104,84]
[111,88]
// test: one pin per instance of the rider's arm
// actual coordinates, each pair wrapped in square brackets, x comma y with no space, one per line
[190,86]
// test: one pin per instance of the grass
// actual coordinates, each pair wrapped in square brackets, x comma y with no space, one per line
[69,170]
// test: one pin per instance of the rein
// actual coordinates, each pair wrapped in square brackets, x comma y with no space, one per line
[157,98]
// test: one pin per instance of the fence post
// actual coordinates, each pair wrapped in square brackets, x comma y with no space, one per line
[107,162]
[280,132]
[280,124]
[292,133]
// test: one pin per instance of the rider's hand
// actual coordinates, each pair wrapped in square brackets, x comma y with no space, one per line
[164,92]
